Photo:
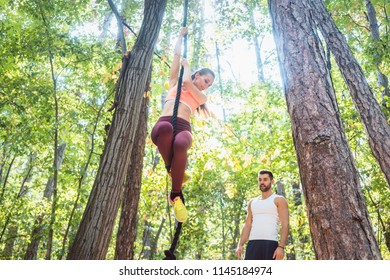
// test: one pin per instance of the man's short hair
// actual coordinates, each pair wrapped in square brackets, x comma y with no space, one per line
[264,171]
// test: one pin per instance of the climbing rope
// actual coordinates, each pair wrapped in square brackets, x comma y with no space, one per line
[169,254]
[177,100]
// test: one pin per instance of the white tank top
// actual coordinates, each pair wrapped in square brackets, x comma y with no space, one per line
[265,219]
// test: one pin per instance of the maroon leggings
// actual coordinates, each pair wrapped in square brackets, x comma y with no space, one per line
[174,155]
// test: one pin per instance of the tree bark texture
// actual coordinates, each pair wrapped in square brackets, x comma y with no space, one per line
[95,230]
[127,231]
[375,123]
[338,217]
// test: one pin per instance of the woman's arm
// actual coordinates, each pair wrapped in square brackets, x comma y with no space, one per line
[175,67]
[188,84]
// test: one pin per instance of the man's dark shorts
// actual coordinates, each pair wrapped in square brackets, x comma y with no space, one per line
[260,249]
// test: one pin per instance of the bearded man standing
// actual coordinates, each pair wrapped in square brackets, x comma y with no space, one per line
[265,215]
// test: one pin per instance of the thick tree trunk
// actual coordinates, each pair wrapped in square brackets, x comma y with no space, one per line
[337,214]
[95,230]
[375,123]
[127,231]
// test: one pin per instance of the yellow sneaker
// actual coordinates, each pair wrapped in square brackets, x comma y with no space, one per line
[179,209]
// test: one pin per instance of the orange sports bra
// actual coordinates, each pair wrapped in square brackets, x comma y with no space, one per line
[185,97]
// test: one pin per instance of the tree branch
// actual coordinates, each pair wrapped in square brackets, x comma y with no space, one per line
[119,24]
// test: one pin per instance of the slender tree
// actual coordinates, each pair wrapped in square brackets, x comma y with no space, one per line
[13,228]
[83,175]
[156,238]
[57,160]
[383,81]
[95,230]
[255,40]
[4,183]
[36,233]
[338,217]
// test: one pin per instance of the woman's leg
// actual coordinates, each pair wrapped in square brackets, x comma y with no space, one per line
[162,135]
[181,145]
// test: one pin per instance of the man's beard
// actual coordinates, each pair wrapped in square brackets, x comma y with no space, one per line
[265,188]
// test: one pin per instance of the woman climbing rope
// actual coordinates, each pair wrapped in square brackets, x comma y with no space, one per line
[173,144]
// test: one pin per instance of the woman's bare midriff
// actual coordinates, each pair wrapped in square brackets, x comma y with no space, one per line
[183,111]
